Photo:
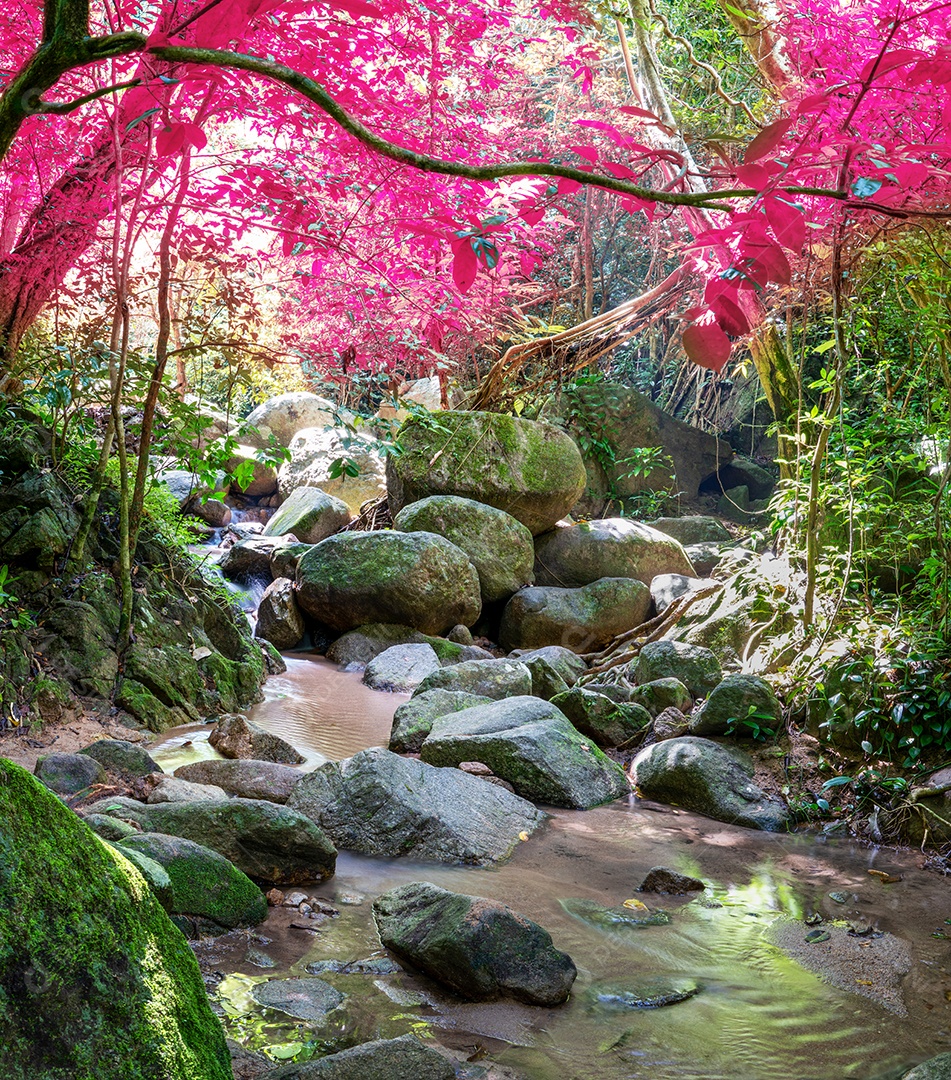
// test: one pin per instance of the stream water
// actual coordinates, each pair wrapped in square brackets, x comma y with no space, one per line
[759,1015]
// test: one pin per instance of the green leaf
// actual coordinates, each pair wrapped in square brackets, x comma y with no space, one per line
[837,781]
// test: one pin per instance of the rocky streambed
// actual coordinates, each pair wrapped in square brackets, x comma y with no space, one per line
[717,983]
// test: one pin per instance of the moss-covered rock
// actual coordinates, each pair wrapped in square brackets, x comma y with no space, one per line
[266,841]
[737,698]
[605,722]
[487,678]
[693,529]
[477,947]
[576,555]
[660,694]
[530,470]
[531,744]
[499,546]
[416,579]
[310,514]
[361,645]
[413,720]
[578,619]
[405,1058]
[697,668]
[121,758]
[279,618]
[202,881]
[95,981]
[68,774]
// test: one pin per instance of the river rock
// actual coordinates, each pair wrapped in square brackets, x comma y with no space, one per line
[499,546]
[708,779]
[235,736]
[69,774]
[578,619]
[279,618]
[567,664]
[96,980]
[530,470]
[742,472]
[267,841]
[651,993]
[405,1058]
[730,703]
[281,417]
[313,453]
[203,882]
[378,803]
[704,557]
[479,948]
[286,556]
[413,720]
[310,514]
[174,789]
[531,744]
[251,558]
[936,1068]
[154,873]
[263,477]
[305,999]
[487,678]
[693,529]
[416,579]
[669,723]
[401,668]
[660,694]
[108,828]
[248,779]
[607,723]
[666,588]
[697,668]
[661,879]
[121,758]
[574,555]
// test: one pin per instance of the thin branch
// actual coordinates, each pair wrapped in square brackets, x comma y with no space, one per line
[63,108]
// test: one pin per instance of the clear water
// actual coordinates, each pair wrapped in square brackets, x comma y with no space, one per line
[759,1014]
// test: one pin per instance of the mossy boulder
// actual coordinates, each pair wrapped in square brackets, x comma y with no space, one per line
[413,720]
[696,667]
[121,758]
[235,736]
[530,470]
[487,678]
[203,882]
[401,668]
[576,555]
[69,774]
[96,982]
[310,514]
[499,546]
[416,579]
[737,698]
[578,619]
[153,872]
[531,744]
[477,947]
[378,803]
[660,694]
[265,840]
[710,779]
[693,529]
[607,723]
[279,618]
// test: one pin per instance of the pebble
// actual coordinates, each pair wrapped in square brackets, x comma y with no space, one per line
[839,897]
[275,897]
[295,899]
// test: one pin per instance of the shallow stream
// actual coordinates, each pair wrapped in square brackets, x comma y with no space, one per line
[759,1015]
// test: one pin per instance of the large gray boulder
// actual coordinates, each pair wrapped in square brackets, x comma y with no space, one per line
[203,882]
[267,841]
[574,555]
[578,619]
[280,418]
[401,668]
[567,664]
[607,723]
[246,778]
[414,719]
[251,558]
[475,946]
[314,452]
[499,546]
[693,529]
[696,667]
[530,470]
[378,803]
[666,588]
[487,678]
[531,744]
[736,699]
[262,477]
[121,758]
[235,736]
[405,1058]
[310,514]
[416,579]
[279,618]
[633,422]
[360,646]
[69,774]
[660,694]
[702,776]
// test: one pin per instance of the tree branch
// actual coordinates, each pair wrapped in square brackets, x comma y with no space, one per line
[63,108]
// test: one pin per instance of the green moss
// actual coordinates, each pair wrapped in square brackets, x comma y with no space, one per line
[446,651]
[95,981]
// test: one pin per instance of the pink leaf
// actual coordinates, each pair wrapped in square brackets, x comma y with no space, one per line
[788,222]
[170,140]
[754,176]
[895,59]
[707,345]
[464,266]
[766,141]
[631,110]
[532,215]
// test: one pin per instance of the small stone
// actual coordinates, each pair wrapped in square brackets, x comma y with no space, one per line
[295,899]
[815,937]
[661,879]
[304,909]
[275,897]
[839,897]
[351,899]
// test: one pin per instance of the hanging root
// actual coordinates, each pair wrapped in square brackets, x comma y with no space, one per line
[374,515]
